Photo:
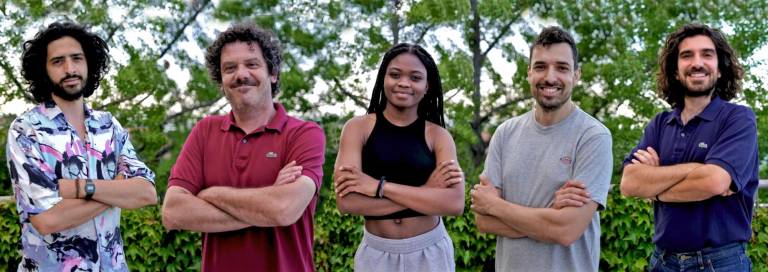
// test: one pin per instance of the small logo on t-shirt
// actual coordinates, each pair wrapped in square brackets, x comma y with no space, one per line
[566,160]
[703,145]
[271,154]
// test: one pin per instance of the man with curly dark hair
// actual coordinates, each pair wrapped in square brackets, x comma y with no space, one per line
[73,168]
[248,180]
[698,162]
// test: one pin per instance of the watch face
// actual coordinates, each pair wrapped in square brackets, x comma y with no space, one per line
[90,188]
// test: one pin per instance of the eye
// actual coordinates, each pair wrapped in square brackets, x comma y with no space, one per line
[228,69]
[416,78]
[394,75]
[564,68]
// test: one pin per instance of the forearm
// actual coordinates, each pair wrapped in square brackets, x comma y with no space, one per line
[563,226]
[67,214]
[645,181]
[427,200]
[359,204]
[492,225]
[187,212]
[130,193]
[269,206]
[701,184]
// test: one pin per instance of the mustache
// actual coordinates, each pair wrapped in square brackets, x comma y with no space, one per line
[244,82]
[69,77]
[697,70]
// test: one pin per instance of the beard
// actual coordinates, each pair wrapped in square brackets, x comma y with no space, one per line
[59,91]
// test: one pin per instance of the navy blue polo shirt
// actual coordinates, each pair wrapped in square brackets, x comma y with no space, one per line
[723,134]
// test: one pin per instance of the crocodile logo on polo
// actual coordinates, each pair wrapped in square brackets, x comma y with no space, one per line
[271,154]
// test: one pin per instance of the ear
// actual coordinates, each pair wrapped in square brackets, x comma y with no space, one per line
[576,76]
[273,78]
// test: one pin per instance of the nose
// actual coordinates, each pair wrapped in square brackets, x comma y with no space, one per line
[69,66]
[698,61]
[403,82]
[242,74]
[551,75]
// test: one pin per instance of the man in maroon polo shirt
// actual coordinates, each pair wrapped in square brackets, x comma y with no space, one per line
[248,180]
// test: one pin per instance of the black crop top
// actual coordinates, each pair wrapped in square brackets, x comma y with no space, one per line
[400,154]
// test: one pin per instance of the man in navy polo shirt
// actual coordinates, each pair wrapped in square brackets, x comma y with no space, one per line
[698,162]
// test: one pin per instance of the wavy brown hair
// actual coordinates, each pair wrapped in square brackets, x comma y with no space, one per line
[731,73]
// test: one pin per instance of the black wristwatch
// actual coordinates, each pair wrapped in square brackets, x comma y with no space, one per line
[90,189]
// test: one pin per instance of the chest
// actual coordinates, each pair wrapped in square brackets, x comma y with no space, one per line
[687,143]
[244,161]
[69,153]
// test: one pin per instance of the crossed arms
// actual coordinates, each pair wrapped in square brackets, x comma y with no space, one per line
[685,182]
[132,193]
[442,194]
[221,208]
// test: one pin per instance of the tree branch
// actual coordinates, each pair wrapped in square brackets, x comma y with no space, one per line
[194,107]
[180,31]
[498,38]
[358,101]
[501,107]
[424,33]
[9,74]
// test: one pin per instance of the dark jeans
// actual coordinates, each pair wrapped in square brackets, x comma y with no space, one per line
[730,257]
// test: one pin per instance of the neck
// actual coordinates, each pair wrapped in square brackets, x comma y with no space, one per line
[251,119]
[693,106]
[73,110]
[548,118]
[400,116]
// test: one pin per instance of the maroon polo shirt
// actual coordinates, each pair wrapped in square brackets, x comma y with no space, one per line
[218,153]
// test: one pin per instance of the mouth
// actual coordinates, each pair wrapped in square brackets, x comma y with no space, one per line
[402,94]
[549,90]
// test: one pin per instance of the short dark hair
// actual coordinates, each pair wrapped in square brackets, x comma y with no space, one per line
[552,35]
[248,33]
[431,105]
[35,56]
[731,72]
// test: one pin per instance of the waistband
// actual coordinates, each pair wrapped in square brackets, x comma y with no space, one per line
[705,252]
[407,245]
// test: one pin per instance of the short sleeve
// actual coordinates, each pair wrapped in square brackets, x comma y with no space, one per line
[736,147]
[307,148]
[493,163]
[129,163]
[188,170]
[34,181]
[650,138]
[593,164]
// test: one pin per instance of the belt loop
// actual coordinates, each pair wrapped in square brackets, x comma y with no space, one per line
[700,257]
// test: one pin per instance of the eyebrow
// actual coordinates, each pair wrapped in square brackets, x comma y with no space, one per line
[539,62]
[70,55]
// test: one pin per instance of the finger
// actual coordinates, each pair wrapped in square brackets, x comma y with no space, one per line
[635,161]
[452,181]
[575,183]
[642,155]
[344,186]
[653,152]
[575,191]
[484,180]
[346,191]
[571,203]
[288,165]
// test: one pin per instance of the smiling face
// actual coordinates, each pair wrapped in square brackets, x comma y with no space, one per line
[697,65]
[67,68]
[405,83]
[245,78]
[552,75]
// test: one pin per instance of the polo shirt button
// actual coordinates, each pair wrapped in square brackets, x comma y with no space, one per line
[245,140]
[682,134]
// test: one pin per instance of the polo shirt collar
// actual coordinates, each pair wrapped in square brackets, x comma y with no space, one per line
[277,123]
[51,110]
[708,114]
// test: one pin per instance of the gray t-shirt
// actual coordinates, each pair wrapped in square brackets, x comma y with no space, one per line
[529,162]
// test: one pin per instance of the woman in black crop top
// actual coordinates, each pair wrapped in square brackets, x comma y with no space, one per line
[397,167]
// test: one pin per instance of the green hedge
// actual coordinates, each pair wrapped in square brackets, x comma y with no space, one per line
[626,239]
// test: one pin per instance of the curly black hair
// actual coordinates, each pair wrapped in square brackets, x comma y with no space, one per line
[248,33]
[35,56]
[431,105]
[727,86]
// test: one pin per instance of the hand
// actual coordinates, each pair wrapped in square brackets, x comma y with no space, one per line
[288,174]
[352,180]
[483,196]
[647,157]
[727,193]
[445,175]
[572,194]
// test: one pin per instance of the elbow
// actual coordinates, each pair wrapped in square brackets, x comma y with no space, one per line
[629,186]
[282,216]
[457,209]
[342,207]
[718,187]
[626,188]
[42,228]
[566,236]
[170,222]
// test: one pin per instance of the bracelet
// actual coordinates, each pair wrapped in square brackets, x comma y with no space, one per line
[380,188]
[657,198]
[77,188]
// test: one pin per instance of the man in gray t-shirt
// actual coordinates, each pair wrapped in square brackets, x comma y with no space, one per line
[547,172]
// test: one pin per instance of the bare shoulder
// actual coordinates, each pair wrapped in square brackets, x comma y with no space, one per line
[437,136]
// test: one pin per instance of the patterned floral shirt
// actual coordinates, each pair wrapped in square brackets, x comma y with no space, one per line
[42,148]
